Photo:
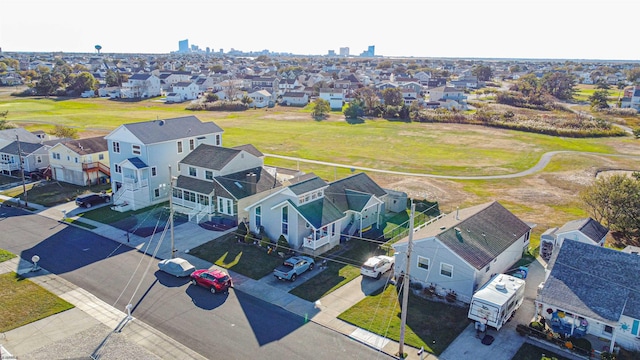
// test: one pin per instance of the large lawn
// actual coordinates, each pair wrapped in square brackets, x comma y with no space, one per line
[433,325]
[23,302]
[248,260]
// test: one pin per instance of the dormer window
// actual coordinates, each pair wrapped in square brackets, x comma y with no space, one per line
[136,149]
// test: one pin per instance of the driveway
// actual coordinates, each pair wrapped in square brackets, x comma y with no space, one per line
[506,341]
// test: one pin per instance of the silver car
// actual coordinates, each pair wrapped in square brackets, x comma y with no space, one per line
[178,267]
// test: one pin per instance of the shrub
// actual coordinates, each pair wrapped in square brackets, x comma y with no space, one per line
[242,231]
[283,244]
[537,326]
[265,241]
[248,238]
[581,345]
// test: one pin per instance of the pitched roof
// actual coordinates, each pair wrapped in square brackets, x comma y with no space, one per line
[353,192]
[23,135]
[193,184]
[591,228]
[237,183]
[593,281]
[155,131]
[307,185]
[137,162]
[477,234]
[320,212]
[24,147]
[139,76]
[210,156]
[87,145]
[250,149]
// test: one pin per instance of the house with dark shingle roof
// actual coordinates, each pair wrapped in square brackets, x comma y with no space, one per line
[219,182]
[34,156]
[593,290]
[462,250]
[586,230]
[141,86]
[80,161]
[140,155]
[314,215]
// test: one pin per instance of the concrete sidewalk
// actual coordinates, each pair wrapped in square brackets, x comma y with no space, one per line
[187,236]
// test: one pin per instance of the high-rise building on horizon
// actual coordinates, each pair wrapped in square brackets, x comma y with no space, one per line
[344,51]
[183,46]
[370,52]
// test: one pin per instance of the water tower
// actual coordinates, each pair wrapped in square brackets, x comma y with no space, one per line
[98,48]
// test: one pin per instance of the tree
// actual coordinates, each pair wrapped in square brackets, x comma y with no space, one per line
[528,85]
[633,74]
[599,98]
[559,84]
[514,68]
[483,72]
[321,108]
[353,109]
[367,98]
[211,97]
[392,97]
[65,132]
[48,82]
[615,201]
[4,124]
[82,82]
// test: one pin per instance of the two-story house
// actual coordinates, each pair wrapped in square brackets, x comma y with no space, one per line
[218,183]
[141,86]
[140,155]
[80,161]
[185,90]
[335,97]
[448,97]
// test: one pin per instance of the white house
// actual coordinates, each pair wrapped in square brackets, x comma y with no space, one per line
[186,90]
[335,97]
[80,161]
[593,290]
[292,98]
[141,86]
[261,98]
[140,155]
[461,251]
[585,230]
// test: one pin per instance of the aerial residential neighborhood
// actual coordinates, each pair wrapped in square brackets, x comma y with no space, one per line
[280,205]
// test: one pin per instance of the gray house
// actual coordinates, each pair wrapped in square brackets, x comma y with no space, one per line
[462,251]
[218,182]
[586,230]
[313,215]
[34,156]
[593,290]
[140,155]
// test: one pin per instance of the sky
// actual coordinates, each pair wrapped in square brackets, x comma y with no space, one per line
[530,29]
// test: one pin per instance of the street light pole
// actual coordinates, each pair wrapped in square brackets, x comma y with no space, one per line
[173,251]
[405,284]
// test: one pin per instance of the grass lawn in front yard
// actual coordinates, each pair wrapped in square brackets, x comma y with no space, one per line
[342,267]
[6,255]
[433,325]
[51,193]
[23,302]
[249,260]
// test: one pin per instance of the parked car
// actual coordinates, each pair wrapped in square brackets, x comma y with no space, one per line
[293,267]
[177,267]
[89,200]
[215,280]
[376,266]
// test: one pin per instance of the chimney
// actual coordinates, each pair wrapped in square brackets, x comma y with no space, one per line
[252,179]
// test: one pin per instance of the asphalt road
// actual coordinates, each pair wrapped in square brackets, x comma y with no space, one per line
[231,326]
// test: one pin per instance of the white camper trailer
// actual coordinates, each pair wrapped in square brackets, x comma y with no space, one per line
[496,301]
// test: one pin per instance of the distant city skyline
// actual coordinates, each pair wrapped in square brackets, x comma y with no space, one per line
[529,29]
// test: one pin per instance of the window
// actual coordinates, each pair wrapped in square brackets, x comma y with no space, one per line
[285,220]
[116,147]
[608,329]
[156,193]
[136,150]
[258,217]
[154,171]
[75,160]
[180,147]
[218,140]
[192,144]
[55,156]
[68,158]
[100,156]
[208,174]
[446,270]
[225,206]
[118,168]
[488,268]
[192,171]
[39,159]
[423,262]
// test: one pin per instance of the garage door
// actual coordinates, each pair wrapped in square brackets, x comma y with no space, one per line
[59,174]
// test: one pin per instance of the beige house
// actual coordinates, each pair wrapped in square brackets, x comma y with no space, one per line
[80,161]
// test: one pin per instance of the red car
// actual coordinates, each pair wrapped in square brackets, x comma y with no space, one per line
[215,280]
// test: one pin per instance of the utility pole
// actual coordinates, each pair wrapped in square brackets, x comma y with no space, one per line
[173,250]
[405,284]
[24,185]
